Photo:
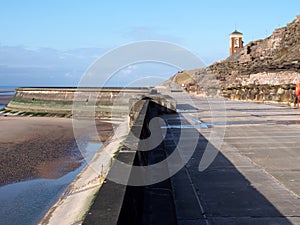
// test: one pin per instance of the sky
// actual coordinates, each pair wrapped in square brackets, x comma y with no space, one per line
[52,42]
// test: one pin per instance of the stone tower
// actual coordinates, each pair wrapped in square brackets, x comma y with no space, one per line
[236,42]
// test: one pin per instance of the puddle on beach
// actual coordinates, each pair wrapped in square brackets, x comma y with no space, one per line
[91,149]
[27,202]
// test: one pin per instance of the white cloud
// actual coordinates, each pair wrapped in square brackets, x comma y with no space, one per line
[68,74]
[129,69]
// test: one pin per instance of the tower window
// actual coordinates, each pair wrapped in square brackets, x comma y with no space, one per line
[236,43]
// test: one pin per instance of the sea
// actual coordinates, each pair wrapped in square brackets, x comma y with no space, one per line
[7,90]
[4,91]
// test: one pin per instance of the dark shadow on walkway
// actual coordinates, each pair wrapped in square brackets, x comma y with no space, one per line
[224,195]
[186,107]
[220,195]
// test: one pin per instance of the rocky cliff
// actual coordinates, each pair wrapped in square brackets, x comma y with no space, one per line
[268,63]
[274,60]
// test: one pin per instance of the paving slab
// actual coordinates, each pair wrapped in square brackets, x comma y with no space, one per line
[255,177]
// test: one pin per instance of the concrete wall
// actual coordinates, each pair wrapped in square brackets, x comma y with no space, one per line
[165,102]
[118,204]
[60,100]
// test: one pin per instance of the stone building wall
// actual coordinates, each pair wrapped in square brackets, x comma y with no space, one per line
[283,94]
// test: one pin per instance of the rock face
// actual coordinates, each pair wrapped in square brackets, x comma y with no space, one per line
[262,93]
[269,63]
[277,54]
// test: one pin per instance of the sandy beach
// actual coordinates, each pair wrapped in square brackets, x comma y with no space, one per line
[33,147]
[74,203]
[39,147]
[45,147]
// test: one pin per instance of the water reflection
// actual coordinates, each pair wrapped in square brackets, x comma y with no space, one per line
[27,202]
[90,150]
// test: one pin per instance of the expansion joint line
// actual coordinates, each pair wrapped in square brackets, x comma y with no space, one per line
[194,189]
[197,197]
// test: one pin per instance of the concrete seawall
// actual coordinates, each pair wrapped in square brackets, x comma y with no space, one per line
[60,100]
[130,204]
[86,185]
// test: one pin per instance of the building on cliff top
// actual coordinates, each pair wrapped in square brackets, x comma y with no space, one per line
[236,42]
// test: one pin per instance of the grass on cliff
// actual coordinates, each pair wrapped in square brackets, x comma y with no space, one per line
[183,78]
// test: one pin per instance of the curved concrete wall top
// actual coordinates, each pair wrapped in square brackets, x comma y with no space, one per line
[56,99]
[67,94]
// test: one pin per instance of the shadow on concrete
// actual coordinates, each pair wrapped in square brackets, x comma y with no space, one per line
[219,195]
[186,107]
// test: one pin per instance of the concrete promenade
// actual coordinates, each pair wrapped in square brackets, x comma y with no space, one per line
[244,168]
[255,178]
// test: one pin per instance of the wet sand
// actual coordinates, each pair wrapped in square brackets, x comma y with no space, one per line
[28,144]
[82,190]
[38,147]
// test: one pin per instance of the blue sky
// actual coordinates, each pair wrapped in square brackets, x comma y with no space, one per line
[39,34]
